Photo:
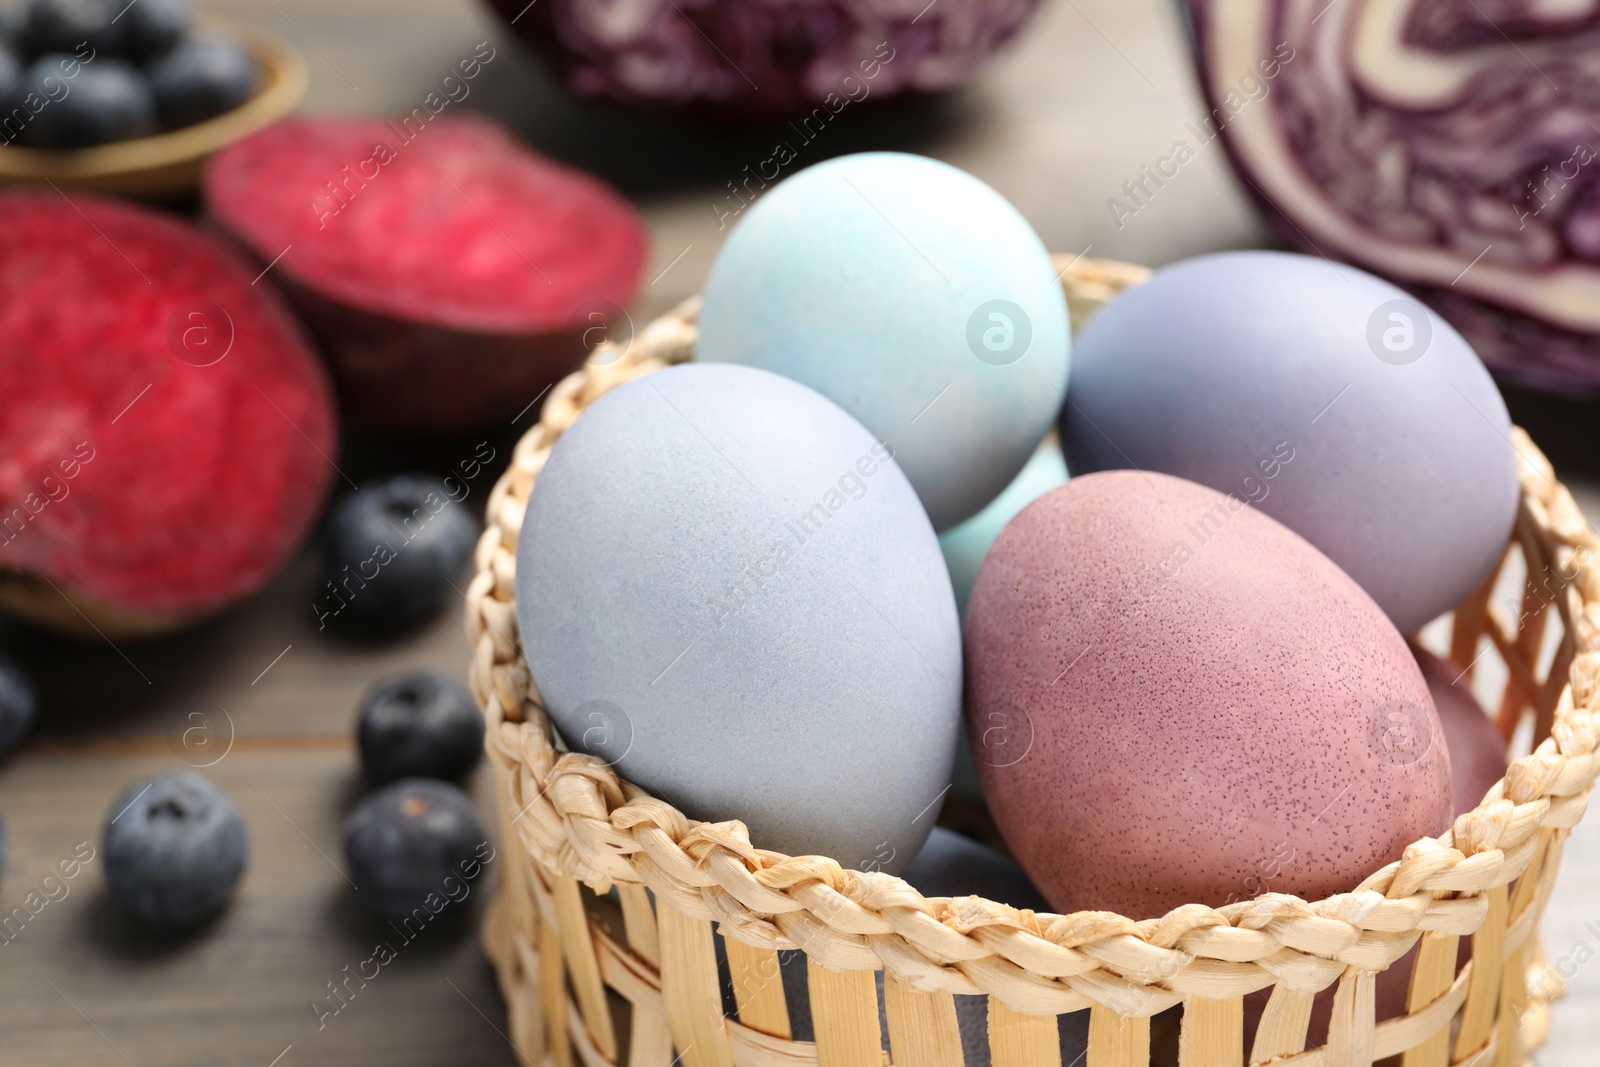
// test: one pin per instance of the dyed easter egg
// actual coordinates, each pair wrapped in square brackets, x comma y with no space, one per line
[1175,699]
[1477,762]
[954,865]
[964,545]
[1330,399]
[1477,751]
[914,296]
[728,589]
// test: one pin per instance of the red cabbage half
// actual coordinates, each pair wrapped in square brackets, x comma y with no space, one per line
[1450,145]
[764,59]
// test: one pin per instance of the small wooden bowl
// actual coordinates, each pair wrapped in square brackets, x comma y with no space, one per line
[166,166]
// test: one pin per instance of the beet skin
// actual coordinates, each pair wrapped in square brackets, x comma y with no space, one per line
[450,273]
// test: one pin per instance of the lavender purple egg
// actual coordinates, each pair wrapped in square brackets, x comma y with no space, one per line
[1326,397]
[1162,717]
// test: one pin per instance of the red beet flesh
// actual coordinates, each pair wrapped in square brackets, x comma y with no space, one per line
[447,269]
[167,435]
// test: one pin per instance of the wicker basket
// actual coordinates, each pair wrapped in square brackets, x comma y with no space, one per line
[602,933]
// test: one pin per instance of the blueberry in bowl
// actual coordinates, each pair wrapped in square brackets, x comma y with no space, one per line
[199,80]
[420,724]
[107,100]
[132,99]
[175,848]
[68,26]
[149,27]
[414,845]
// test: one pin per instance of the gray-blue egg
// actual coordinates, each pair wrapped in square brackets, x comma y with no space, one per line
[954,865]
[727,588]
[915,297]
[1330,399]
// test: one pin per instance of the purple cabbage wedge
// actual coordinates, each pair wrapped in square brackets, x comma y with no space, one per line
[1450,145]
[765,59]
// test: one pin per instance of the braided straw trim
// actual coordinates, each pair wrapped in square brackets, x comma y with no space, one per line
[574,816]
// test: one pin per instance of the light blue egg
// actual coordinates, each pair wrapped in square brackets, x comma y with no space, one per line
[915,297]
[727,589]
[964,546]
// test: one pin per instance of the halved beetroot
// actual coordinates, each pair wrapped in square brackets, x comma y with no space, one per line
[166,435]
[448,270]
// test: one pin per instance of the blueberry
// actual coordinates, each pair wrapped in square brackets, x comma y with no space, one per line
[414,845]
[175,848]
[199,80]
[18,704]
[393,553]
[104,101]
[419,725]
[78,26]
[149,27]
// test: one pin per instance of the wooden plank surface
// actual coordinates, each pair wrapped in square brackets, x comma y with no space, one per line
[1095,90]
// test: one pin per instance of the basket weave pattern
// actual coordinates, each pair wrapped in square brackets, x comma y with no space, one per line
[607,980]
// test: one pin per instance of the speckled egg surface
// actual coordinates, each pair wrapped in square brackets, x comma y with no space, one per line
[1477,751]
[914,296]
[1177,700]
[727,589]
[1329,398]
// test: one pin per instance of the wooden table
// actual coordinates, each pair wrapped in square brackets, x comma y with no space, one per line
[1098,88]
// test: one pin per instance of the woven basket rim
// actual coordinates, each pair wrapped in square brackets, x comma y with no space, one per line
[589,823]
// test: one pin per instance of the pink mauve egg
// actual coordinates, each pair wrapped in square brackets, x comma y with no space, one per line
[1477,762]
[1172,698]
[1477,751]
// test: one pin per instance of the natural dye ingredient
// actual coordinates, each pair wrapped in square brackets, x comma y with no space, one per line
[451,274]
[19,704]
[392,554]
[169,436]
[108,101]
[421,724]
[414,845]
[198,80]
[771,59]
[1449,147]
[175,848]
